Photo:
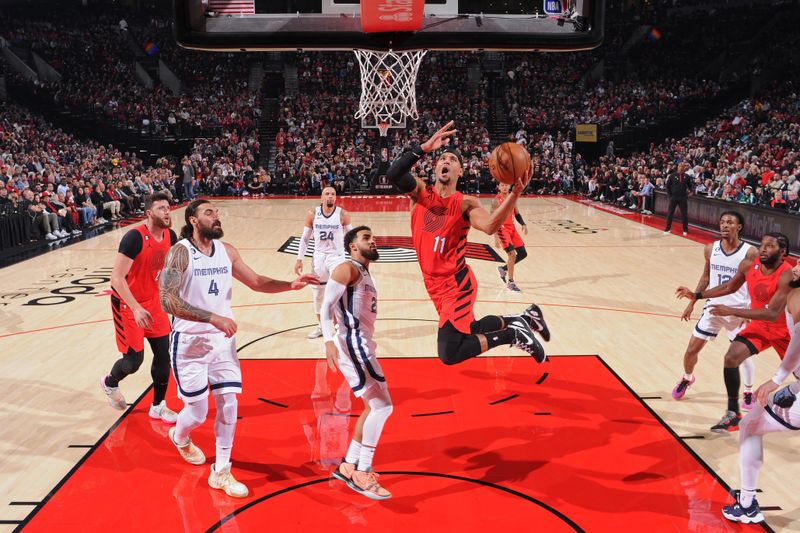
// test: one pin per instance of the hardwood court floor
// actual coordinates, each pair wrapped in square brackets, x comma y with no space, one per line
[605,283]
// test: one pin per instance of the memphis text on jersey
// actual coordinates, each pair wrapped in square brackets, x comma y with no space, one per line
[210,271]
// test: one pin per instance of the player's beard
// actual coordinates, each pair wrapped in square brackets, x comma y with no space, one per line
[771,260]
[161,223]
[795,283]
[330,203]
[370,254]
[214,232]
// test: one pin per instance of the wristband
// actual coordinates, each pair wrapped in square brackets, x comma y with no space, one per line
[417,151]
[698,295]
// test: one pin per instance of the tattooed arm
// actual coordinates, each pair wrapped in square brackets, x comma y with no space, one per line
[175,266]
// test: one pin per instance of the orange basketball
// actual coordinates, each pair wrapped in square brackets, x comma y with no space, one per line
[509,161]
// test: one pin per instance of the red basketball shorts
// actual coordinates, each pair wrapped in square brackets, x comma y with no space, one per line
[759,335]
[129,335]
[509,238]
[454,298]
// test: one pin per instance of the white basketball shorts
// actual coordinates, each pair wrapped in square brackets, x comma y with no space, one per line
[709,325]
[361,369]
[204,362]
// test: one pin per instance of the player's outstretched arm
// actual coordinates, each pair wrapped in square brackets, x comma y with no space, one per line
[259,283]
[342,277]
[702,283]
[301,252]
[774,308]
[489,223]
[169,285]
[730,287]
[399,173]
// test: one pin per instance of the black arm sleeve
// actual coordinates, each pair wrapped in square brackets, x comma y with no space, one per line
[173,238]
[398,173]
[518,218]
[131,244]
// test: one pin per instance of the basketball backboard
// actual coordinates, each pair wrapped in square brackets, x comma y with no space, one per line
[264,25]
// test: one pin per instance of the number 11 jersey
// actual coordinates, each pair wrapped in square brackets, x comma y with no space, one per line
[439,231]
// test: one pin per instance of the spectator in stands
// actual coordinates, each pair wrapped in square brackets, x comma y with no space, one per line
[747,196]
[84,204]
[187,179]
[777,200]
[105,203]
[42,220]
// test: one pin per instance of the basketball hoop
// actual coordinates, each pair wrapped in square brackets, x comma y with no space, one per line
[388,92]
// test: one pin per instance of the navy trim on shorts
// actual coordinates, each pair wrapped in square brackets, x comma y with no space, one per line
[351,351]
[175,336]
[779,419]
[362,351]
[703,332]
[215,386]
[746,342]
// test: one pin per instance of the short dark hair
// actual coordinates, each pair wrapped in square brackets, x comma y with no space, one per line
[351,235]
[150,199]
[783,240]
[456,152]
[191,210]
[738,216]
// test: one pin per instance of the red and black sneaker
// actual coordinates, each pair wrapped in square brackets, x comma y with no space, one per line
[729,422]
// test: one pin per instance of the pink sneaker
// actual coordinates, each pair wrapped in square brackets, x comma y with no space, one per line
[680,389]
[748,401]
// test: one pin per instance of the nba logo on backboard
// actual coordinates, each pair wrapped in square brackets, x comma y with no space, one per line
[553,7]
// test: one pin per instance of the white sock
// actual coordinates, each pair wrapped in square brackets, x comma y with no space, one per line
[353,452]
[746,497]
[365,458]
[688,377]
[748,368]
[223,458]
[225,428]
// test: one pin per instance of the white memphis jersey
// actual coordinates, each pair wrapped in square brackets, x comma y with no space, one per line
[207,284]
[723,267]
[328,232]
[355,314]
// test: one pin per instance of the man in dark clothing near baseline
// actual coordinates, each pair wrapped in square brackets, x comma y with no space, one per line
[679,188]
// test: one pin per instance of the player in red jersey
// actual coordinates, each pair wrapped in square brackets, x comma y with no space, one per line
[509,239]
[440,220]
[768,277]
[136,308]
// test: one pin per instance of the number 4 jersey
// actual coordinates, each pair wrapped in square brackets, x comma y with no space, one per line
[207,284]
[722,268]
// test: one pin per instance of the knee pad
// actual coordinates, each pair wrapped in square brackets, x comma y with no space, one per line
[196,412]
[227,408]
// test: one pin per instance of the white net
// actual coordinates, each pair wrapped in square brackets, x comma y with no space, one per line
[388,93]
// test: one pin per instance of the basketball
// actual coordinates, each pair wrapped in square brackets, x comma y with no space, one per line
[509,161]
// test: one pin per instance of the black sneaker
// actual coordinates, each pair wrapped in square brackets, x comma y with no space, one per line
[535,318]
[525,340]
[736,513]
[729,422]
